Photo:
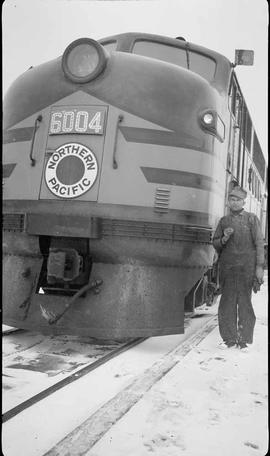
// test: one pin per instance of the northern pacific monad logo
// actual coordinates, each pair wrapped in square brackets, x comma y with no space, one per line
[71,170]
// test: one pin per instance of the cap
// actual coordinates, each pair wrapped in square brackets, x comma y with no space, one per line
[238,192]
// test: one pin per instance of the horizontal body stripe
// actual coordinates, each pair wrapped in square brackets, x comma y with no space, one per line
[18,135]
[8,169]
[98,227]
[131,134]
[163,138]
[113,211]
[178,178]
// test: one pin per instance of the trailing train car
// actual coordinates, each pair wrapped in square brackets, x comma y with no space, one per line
[118,156]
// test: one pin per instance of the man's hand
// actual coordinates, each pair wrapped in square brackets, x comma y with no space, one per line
[259,274]
[227,234]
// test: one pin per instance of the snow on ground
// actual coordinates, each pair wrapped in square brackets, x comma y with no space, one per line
[212,403]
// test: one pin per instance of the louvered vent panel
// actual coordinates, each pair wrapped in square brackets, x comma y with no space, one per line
[130,228]
[13,222]
[162,200]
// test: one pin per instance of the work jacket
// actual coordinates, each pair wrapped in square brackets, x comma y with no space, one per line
[245,246]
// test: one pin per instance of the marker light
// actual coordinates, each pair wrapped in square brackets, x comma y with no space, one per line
[208,118]
[83,60]
[212,123]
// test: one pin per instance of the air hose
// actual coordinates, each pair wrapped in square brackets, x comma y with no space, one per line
[53,319]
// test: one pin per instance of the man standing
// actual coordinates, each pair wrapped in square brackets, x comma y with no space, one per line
[239,242]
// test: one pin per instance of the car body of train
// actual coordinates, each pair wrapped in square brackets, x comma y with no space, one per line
[118,157]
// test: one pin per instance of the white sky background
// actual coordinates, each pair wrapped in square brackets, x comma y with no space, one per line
[35,31]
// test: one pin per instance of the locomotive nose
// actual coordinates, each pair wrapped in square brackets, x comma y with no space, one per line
[83,60]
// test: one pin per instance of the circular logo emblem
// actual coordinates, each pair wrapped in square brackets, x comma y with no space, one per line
[71,170]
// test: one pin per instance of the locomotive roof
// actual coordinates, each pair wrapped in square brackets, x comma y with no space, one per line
[125,42]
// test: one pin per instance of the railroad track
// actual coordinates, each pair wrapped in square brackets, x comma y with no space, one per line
[83,411]
[9,330]
[47,391]
[87,434]
[18,362]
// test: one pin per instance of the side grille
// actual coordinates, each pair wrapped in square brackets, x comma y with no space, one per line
[148,230]
[13,222]
[162,200]
[129,228]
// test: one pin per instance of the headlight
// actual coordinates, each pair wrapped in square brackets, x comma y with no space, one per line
[83,60]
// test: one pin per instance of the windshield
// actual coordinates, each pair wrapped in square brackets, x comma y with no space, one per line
[200,64]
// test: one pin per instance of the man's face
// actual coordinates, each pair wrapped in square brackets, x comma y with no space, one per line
[236,204]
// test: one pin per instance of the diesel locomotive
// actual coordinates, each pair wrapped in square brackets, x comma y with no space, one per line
[118,156]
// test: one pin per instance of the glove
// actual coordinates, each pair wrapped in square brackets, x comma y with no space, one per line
[256,285]
[259,274]
[227,234]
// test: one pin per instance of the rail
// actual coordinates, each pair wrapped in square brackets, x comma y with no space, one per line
[71,378]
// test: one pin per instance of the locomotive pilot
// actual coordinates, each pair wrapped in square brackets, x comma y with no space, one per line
[239,242]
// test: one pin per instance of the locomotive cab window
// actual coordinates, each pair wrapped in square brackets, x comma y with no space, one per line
[258,157]
[248,133]
[253,182]
[198,63]
[236,102]
[246,127]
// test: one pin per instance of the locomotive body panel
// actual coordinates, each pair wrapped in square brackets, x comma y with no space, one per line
[23,183]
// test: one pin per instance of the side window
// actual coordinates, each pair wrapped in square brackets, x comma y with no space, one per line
[250,178]
[253,182]
[236,102]
[233,99]
[242,139]
[244,121]
[244,165]
[258,157]
[238,109]
[236,106]
[256,186]
[248,132]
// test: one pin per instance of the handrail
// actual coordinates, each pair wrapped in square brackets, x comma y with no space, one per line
[38,119]
[119,120]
